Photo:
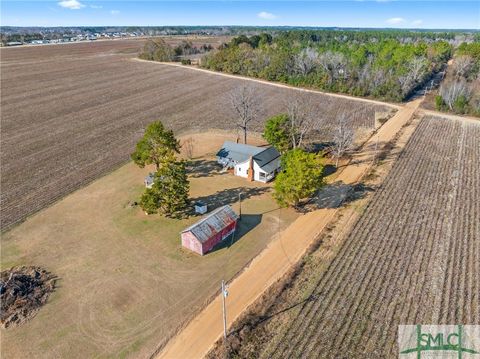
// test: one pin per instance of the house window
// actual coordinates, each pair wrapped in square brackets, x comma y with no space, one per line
[262,175]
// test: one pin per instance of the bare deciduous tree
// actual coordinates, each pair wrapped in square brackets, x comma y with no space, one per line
[301,115]
[306,61]
[462,66]
[343,137]
[417,68]
[452,90]
[334,64]
[245,105]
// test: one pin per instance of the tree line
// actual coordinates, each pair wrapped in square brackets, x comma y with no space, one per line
[380,64]
[460,91]
[159,50]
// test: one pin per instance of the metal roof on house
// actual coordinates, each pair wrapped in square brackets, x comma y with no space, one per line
[271,166]
[266,157]
[238,152]
[212,223]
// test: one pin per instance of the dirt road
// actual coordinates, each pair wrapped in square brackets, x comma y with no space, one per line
[199,336]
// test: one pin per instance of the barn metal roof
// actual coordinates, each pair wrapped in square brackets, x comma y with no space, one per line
[212,223]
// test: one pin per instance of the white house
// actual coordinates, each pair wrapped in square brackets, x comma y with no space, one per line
[255,163]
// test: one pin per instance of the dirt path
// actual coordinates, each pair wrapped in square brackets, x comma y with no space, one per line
[270,83]
[198,337]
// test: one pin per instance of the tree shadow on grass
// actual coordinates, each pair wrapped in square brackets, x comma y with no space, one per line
[229,196]
[203,168]
[336,195]
[244,225]
[316,147]
[329,170]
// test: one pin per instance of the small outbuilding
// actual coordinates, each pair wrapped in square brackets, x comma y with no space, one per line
[202,236]
[200,207]
[149,180]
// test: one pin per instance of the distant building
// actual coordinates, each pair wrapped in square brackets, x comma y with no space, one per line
[255,163]
[202,236]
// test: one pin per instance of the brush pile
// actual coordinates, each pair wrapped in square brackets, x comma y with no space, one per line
[23,290]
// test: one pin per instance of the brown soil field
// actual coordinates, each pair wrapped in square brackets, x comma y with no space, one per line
[412,257]
[72,113]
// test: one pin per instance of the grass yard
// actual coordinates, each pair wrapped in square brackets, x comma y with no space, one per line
[125,284]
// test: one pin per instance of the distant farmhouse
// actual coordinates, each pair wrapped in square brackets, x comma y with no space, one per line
[255,163]
[202,236]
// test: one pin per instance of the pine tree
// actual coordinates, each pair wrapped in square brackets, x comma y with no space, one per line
[156,144]
[169,193]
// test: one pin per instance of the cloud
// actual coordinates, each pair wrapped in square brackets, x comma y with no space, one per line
[417,22]
[71,4]
[395,21]
[114,12]
[96,6]
[266,15]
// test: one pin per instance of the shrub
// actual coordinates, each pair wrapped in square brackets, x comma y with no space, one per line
[439,103]
[461,104]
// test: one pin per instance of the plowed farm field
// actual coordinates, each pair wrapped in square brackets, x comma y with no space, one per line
[413,257]
[72,113]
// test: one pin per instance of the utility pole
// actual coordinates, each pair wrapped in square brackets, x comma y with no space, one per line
[224,296]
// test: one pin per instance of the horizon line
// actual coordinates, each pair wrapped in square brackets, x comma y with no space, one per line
[256,26]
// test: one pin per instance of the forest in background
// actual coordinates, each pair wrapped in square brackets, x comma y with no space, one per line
[383,64]
[460,90]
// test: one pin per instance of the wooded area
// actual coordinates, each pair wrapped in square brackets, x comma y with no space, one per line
[383,64]
[460,91]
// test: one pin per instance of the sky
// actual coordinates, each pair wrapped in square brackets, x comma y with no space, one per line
[342,13]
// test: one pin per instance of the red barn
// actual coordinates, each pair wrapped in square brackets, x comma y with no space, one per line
[202,236]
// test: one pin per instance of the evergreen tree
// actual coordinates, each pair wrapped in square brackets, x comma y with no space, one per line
[156,144]
[169,193]
[277,132]
[300,179]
